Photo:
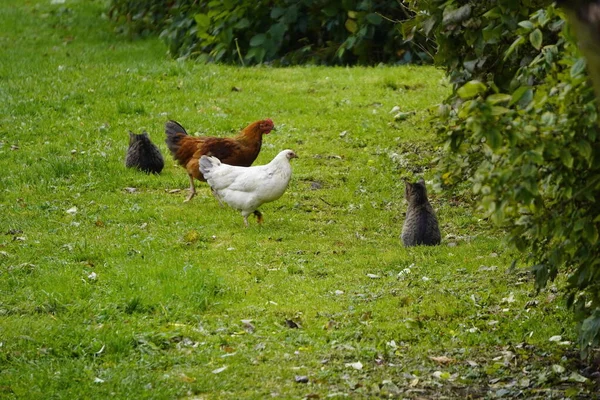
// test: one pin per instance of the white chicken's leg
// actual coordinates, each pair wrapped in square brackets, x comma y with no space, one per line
[216,196]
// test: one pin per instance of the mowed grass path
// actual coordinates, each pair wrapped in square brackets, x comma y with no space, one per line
[111,286]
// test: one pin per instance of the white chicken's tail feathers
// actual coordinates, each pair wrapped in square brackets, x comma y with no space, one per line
[207,163]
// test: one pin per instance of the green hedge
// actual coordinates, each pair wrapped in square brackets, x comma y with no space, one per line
[280,31]
[522,127]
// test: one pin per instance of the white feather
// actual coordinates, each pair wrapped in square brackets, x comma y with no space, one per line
[247,188]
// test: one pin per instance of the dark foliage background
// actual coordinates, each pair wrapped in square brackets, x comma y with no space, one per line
[281,31]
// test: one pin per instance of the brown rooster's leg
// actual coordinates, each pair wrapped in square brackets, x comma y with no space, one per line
[192,190]
[259,217]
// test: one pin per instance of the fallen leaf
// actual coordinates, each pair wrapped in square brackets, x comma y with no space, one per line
[130,189]
[187,379]
[227,349]
[509,299]
[442,359]
[72,210]
[559,369]
[401,116]
[100,351]
[441,375]
[373,276]
[556,338]
[219,370]
[390,388]
[356,365]
[575,377]
[301,379]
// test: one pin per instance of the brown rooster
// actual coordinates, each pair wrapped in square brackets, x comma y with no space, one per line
[240,150]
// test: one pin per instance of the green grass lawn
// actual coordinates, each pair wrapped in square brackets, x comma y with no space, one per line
[111,286]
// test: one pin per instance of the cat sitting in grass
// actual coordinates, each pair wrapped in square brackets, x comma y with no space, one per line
[421,225]
[143,154]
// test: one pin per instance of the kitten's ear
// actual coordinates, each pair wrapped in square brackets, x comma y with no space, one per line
[421,181]
[145,134]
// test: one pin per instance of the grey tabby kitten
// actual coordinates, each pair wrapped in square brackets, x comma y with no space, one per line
[421,225]
[143,154]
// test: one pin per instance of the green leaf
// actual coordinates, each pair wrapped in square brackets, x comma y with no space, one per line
[428,25]
[257,40]
[471,89]
[351,25]
[527,25]
[493,138]
[465,109]
[521,94]
[202,21]
[454,16]
[374,19]
[277,31]
[518,41]
[536,39]
[585,149]
[493,13]
[498,110]
[277,12]
[566,158]
[590,233]
[548,118]
[578,68]
[499,98]
[242,24]
[257,53]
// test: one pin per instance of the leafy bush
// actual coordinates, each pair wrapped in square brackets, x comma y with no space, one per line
[140,18]
[285,31]
[522,125]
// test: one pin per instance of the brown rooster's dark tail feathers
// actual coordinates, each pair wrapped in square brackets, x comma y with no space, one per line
[175,133]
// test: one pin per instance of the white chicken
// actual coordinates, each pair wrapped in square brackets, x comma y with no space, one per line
[247,188]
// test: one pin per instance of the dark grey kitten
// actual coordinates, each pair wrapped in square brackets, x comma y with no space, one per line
[143,154]
[421,225]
